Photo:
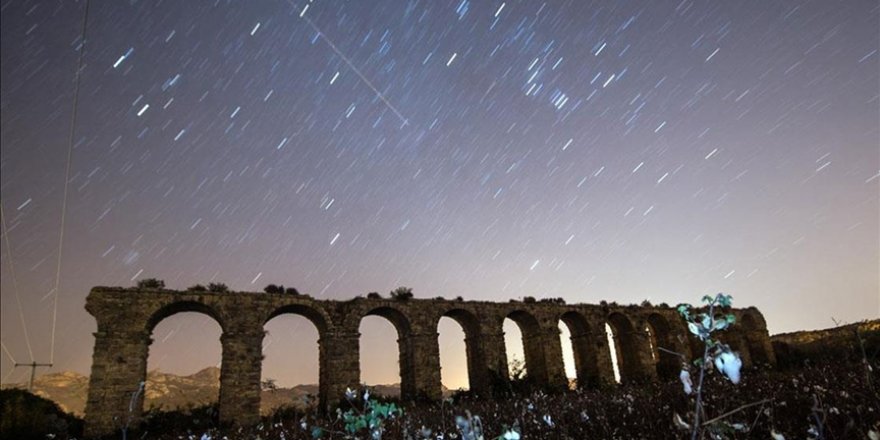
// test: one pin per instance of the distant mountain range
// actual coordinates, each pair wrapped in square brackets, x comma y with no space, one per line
[169,391]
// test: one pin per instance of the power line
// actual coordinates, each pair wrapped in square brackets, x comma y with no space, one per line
[6,350]
[73,114]
[27,338]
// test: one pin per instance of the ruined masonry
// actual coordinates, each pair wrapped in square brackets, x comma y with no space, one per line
[126,318]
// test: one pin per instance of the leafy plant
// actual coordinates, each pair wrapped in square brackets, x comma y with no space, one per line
[150,283]
[197,288]
[703,325]
[271,288]
[369,415]
[374,295]
[290,291]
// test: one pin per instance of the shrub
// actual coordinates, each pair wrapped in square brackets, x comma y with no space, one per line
[402,293]
[291,291]
[218,287]
[181,420]
[150,283]
[25,415]
[374,295]
[458,298]
[529,300]
[196,288]
[271,288]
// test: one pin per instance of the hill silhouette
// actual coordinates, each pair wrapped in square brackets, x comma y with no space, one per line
[167,391]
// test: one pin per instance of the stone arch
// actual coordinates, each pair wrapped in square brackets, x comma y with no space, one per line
[315,315]
[626,344]
[533,348]
[478,380]
[583,348]
[176,307]
[406,358]
[667,364]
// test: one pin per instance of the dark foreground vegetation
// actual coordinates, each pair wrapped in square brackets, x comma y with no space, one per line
[831,400]
[26,416]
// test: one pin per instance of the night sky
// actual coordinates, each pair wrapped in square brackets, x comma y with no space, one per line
[585,150]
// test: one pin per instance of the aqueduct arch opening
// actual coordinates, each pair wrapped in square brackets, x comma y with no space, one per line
[290,329]
[195,333]
[126,318]
[667,364]
[476,360]
[630,349]
[583,349]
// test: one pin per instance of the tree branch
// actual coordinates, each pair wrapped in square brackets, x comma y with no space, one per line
[716,419]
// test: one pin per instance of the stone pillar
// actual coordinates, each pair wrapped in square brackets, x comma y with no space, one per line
[760,347]
[552,365]
[604,366]
[407,367]
[426,366]
[339,359]
[119,370]
[645,368]
[533,350]
[240,376]
[478,371]
[585,360]
[495,353]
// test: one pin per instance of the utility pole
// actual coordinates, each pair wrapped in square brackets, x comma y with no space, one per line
[33,366]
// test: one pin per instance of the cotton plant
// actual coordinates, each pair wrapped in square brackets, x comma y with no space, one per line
[705,325]
[470,427]
[371,418]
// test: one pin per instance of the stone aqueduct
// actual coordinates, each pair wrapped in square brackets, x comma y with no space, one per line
[126,318]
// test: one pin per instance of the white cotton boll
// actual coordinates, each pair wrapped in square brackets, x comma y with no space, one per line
[729,363]
[685,377]
[680,423]
[511,435]
[776,435]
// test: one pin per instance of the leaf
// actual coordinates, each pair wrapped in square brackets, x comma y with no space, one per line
[694,328]
[720,325]
[683,310]
[707,322]
[317,432]
[708,299]
[731,319]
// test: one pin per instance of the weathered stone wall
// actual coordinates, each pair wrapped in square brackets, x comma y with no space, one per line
[853,342]
[126,318]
